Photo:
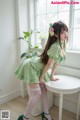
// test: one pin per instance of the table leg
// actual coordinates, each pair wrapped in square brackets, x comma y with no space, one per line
[60,106]
[78,106]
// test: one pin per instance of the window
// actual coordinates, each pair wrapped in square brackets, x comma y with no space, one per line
[76,26]
[46,13]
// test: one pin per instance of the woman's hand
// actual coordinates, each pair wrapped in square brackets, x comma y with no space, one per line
[41,80]
[42,84]
[52,78]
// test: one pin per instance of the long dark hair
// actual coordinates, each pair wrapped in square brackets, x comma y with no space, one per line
[58,28]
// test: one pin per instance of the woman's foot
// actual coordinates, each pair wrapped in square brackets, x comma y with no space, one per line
[25,118]
[46,116]
[22,117]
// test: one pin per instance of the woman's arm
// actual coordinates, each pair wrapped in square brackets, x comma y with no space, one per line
[54,69]
[53,72]
[47,66]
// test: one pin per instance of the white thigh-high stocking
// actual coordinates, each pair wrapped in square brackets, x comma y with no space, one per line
[35,94]
[44,101]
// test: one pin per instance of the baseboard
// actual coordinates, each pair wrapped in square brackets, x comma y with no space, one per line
[9,96]
[67,104]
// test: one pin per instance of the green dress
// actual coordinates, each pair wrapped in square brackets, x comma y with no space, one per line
[31,69]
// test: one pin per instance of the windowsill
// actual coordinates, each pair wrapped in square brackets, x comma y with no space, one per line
[73,51]
[68,51]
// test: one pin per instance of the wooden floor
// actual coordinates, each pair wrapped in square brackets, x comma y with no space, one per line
[18,105]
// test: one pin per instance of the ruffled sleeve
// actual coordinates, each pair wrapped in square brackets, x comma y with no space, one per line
[54,52]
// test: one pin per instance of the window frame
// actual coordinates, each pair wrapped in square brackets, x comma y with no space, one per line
[71,24]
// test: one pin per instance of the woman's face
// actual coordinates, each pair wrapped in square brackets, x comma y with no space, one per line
[64,35]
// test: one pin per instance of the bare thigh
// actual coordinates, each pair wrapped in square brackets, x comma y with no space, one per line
[35,85]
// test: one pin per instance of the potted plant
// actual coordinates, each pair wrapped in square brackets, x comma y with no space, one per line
[32,51]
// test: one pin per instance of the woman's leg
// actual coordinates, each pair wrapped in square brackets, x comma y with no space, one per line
[44,101]
[36,93]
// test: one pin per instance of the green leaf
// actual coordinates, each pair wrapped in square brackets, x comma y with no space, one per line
[23,55]
[26,34]
[20,38]
[35,46]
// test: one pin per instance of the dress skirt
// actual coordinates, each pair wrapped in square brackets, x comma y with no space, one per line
[30,71]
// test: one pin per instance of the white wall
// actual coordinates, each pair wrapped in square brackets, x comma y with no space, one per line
[9,85]
[14,19]
[23,25]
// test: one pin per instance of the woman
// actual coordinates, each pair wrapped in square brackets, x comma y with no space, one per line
[34,70]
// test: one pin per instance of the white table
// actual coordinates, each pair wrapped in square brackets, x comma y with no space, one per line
[66,85]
